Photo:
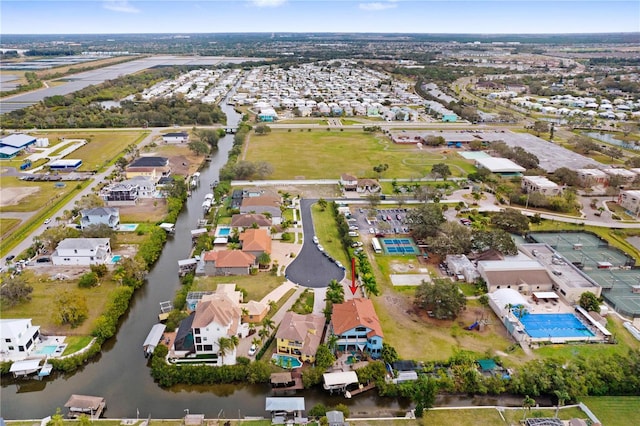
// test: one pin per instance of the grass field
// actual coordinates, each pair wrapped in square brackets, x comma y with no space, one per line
[327,233]
[40,308]
[256,286]
[614,410]
[103,146]
[46,194]
[320,154]
[7,225]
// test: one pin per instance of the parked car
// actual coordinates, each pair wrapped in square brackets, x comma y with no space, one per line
[43,260]
[252,350]
[47,221]
[372,231]
[9,258]
[315,239]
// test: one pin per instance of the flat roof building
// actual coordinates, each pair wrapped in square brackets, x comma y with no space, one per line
[541,185]
[501,166]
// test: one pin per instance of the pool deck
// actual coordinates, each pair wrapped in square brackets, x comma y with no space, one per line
[50,341]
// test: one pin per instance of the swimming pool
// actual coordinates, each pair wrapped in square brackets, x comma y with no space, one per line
[399,246]
[223,231]
[116,258]
[46,350]
[554,326]
[286,361]
[127,227]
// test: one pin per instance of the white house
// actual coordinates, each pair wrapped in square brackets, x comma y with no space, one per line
[19,337]
[177,137]
[82,252]
[109,216]
[217,315]
[540,184]
[630,201]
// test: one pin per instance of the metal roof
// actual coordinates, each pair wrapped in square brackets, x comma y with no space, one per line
[285,404]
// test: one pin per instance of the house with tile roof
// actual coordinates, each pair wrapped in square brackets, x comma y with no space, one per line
[256,242]
[300,335]
[250,220]
[348,182]
[228,262]
[357,327]
[267,204]
[217,315]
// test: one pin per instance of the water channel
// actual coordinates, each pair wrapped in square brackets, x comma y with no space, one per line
[120,373]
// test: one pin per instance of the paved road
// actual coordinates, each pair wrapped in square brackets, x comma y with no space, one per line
[311,268]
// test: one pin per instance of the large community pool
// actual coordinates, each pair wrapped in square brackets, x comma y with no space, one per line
[541,326]
[399,246]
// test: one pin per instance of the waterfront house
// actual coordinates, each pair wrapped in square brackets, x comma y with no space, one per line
[256,242]
[120,194]
[216,316]
[150,166]
[100,216]
[266,203]
[19,337]
[357,327]
[249,220]
[82,252]
[300,335]
[228,262]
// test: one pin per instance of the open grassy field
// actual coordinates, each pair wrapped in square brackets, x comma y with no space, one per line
[327,233]
[45,289]
[7,225]
[614,410]
[40,194]
[104,145]
[322,154]
[256,286]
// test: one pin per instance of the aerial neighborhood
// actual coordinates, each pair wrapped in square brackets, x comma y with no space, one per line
[416,221]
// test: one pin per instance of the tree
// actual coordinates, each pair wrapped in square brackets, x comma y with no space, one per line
[380,168]
[527,403]
[335,292]
[589,302]
[583,144]
[563,396]
[199,147]
[540,127]
[210,137]
[14,290]
[332,343]
[262,129]
[389,354]
[434,141]
[52,236]
[90,279]
[225,345]
[99,230]
[441,170]
[70,308]
[89,201]
[373,200]
[452,238]
[264,259]
[322,203]
[566,176]
[495,239]
[442,297]
[425,220]
[263,333]
[268,324]
[424,394]
[511,220]
[324,357]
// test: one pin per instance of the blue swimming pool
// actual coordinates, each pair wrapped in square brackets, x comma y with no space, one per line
[399,246]
[127,227]
[554,326]
[223,231]
[116,258]
[46,350]
[286,361]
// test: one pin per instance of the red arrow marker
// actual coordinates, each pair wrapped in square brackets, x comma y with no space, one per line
[353,288]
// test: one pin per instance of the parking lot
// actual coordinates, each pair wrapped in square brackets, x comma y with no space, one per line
[385,221]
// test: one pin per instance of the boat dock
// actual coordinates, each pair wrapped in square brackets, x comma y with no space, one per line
[361,388]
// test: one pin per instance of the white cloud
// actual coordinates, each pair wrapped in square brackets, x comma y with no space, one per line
[120,6]
[268,3]
[375,6]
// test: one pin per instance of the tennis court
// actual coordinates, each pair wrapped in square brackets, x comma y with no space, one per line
[399,246]
[540,326]
[583,248]
[617,286]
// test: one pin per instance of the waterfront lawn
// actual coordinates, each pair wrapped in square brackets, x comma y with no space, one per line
[613,410]
[45,290]
[40,193]
[75,343]
[256,287]
[322,154]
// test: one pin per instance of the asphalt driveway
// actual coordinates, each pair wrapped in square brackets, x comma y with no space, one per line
[311,268]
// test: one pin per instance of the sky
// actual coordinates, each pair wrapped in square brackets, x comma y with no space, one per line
[384,16]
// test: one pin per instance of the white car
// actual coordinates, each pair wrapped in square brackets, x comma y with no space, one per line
[372,231]
[47,221]
[252,350]
[320,247]
[315,239]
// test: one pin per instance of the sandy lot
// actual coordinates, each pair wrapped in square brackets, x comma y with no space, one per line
[12,195]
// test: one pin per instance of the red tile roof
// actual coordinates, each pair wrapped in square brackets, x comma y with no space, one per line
[230,258]
[355,313]
[256,240]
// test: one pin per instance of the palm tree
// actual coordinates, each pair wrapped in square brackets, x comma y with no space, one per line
[268,323]
[224,345]
[263,333]
[527,403]
[256,341]
[562,396]
[332,343]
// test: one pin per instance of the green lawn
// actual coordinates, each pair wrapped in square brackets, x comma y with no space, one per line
[304,304]
[614,410]
[256,286]
[40,193]
[327,233]
[6,225]
[320,154]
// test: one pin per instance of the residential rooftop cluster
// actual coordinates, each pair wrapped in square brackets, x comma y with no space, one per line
[206,85]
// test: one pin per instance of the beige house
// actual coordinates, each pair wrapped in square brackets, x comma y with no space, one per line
[300,335]
[630,201]
[541,185]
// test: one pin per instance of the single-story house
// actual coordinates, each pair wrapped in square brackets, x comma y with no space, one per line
[250,220]
[348,182]
[228,262]
[65,165]
[175,137]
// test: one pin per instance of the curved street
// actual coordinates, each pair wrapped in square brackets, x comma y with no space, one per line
[311,268]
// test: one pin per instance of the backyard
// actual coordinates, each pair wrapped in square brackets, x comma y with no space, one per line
[256,286]
[322,154]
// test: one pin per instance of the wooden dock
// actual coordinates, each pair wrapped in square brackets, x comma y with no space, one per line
[349,394]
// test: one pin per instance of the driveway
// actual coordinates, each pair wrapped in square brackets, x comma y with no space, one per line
[311,268]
